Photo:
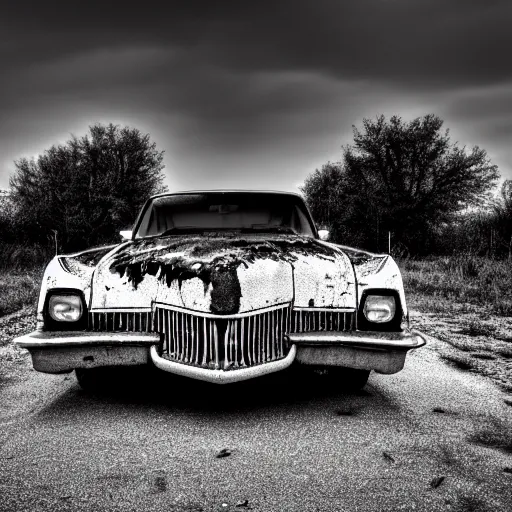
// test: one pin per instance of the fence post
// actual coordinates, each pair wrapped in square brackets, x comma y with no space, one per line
[55,238]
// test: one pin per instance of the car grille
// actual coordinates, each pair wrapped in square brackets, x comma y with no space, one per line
[131,321]
[224,343]
[322,320]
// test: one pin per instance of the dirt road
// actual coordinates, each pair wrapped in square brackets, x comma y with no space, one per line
[431,437]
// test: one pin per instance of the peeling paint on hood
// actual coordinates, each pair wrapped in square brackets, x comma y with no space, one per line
[191,256]
[213,273]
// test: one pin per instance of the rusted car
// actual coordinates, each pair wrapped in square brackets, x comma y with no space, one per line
[222,286]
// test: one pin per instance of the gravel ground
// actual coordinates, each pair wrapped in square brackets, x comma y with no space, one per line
[13,325]
[471,340]
[432,437]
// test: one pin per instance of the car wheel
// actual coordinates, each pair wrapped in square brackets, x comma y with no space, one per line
[90,379]
[349,378]
[107,379]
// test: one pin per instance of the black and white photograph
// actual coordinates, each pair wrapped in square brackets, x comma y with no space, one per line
[256,256]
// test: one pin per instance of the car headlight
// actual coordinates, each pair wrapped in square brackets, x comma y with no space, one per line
[379,308]
[65,308]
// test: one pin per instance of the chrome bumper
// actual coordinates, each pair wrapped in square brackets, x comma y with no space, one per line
[222,376]
[57,352]
[384,352]
[61,352]
[405,340]
[58,339]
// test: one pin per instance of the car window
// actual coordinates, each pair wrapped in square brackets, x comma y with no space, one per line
[225,211]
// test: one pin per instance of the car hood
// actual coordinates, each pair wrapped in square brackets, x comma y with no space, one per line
[223,274]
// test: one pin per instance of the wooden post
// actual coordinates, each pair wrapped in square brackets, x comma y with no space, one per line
[55,238]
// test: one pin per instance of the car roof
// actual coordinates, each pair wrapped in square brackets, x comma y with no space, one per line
[227,191]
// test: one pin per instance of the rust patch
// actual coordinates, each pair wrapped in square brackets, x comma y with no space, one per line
[213,259]
[226,291]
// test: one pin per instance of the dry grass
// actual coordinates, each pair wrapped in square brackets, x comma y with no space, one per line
[21,271]
[465,302]
[20,257]
[18,289]
[457,283]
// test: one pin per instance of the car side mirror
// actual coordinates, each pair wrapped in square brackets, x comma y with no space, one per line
[126,234]
[323,234]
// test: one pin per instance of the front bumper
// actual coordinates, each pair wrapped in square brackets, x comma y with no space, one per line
[383,352]
[59,352]
[63,351]
[222,376]
[405,340]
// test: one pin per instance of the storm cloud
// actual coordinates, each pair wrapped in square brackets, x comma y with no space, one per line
[252,94]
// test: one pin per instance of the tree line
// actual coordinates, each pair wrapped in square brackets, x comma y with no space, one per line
[409,183]
[81,193]
[399,181]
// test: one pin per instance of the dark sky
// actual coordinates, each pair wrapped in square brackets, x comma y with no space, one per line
[252,94]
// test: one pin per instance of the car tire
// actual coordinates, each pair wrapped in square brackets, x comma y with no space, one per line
[349,378]
[91,379]
[115,379]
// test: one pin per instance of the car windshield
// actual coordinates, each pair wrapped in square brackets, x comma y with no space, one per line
[225,211]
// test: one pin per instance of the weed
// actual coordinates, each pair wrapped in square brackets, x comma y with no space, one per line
[18,257]
[18,289]
[461,279]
